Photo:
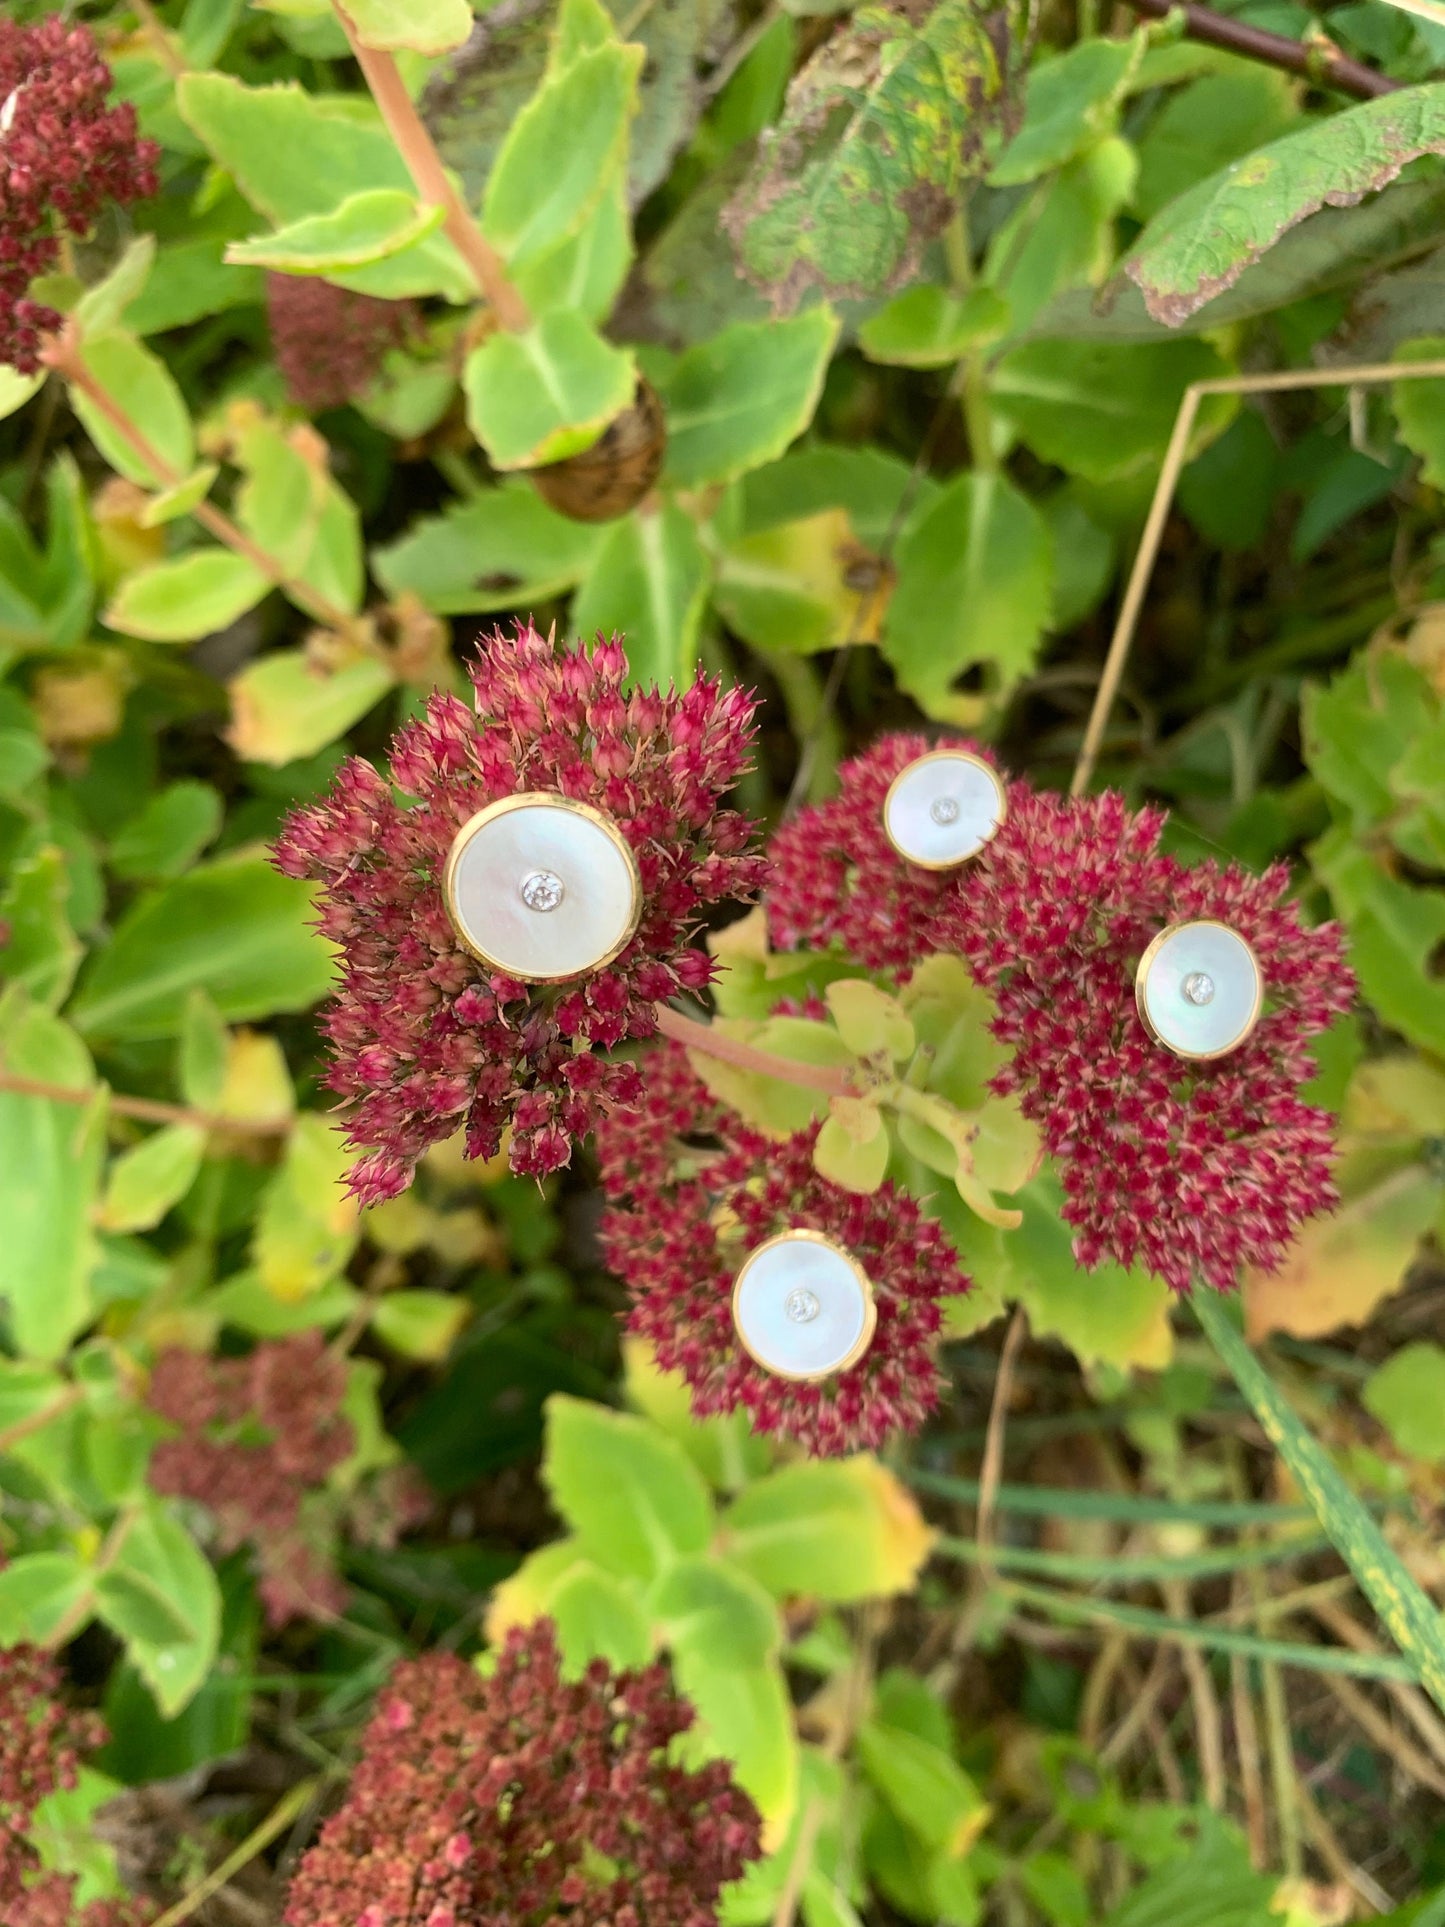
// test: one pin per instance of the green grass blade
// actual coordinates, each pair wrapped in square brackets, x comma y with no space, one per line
[1064,1502]
[1216,1639]
[1128,1569]
[1413,1620]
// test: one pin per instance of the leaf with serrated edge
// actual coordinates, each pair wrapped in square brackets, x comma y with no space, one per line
[1202,242]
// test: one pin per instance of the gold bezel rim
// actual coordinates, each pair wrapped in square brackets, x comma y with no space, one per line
[531,799]
[860,1345]
[951,756]
[1141,976]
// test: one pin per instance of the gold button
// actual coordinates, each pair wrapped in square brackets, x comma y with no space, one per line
[541,888]
[803,1306]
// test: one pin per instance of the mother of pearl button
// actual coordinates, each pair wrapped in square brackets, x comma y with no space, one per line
[542,888]
[1199,989]
[803,1308]
[942,808]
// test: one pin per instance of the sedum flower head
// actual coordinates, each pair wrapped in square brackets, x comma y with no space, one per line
[256,1434]
[1190,1168]
[63,155]
[41,1740]
[683,1221]
[526,1798]
[426,1040]
[329,343]
[837,879]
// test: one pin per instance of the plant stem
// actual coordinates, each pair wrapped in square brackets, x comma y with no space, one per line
[37,1421]
[281,1816]
[707,1039]
[62,353]
[434,185]
[1325,66]
[148,1110]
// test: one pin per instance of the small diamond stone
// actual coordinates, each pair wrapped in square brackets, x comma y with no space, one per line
[542,890]
[801,1306]
[944,809]
[1198,987]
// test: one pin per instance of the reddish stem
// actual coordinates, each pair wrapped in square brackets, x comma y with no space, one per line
[62,353]
[1325,66]
[433,183]
[747,1057]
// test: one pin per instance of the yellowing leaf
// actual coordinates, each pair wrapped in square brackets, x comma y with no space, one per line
[285,706]
[526,1595]
[1400,1096]
[843,1157]
[869,1020]
[1339,1268]
[841,1530]
[803,586]
[307,1226]
[256,1087]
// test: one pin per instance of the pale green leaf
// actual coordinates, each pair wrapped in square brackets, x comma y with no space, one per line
[366,228]
[597,1616]
[307,1226]
[706,1605]
[931,327]
[1101,409]
[1407,1395]
[51,1155]
[738,400]
[632,1497]
[153,1175]
[422,26]
[975,580]
[1070,100]
[16,389]
[139,383]
[193,596]
[1420,409]
[501,548]
[839,1530]
[560,153]
[40,952]
[293,155]
[172,503]
[420,1324]
[648,582]
[160,1596]
[234,928]
[546,394]
[283,706]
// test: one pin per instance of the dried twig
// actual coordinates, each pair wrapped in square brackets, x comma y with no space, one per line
[1324,65]
[1364,374]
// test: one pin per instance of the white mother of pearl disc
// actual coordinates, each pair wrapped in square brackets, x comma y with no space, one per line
[942,808]
[803,1308]
[542,888]
[1199,988]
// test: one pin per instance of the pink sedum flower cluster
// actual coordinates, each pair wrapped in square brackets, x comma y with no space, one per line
[838,880]
[330,343]
[258,1433]
[662,1237]
[63,155]
[526,1798]
[426,1040]
[1191,1169]
[41,1741]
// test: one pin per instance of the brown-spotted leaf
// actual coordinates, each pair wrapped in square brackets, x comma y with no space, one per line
[880,131]
[1201,243]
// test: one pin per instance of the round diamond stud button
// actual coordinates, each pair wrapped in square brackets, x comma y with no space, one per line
[1199,989]
[542,891]
[942,808]
[542,888]
[803,1306]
